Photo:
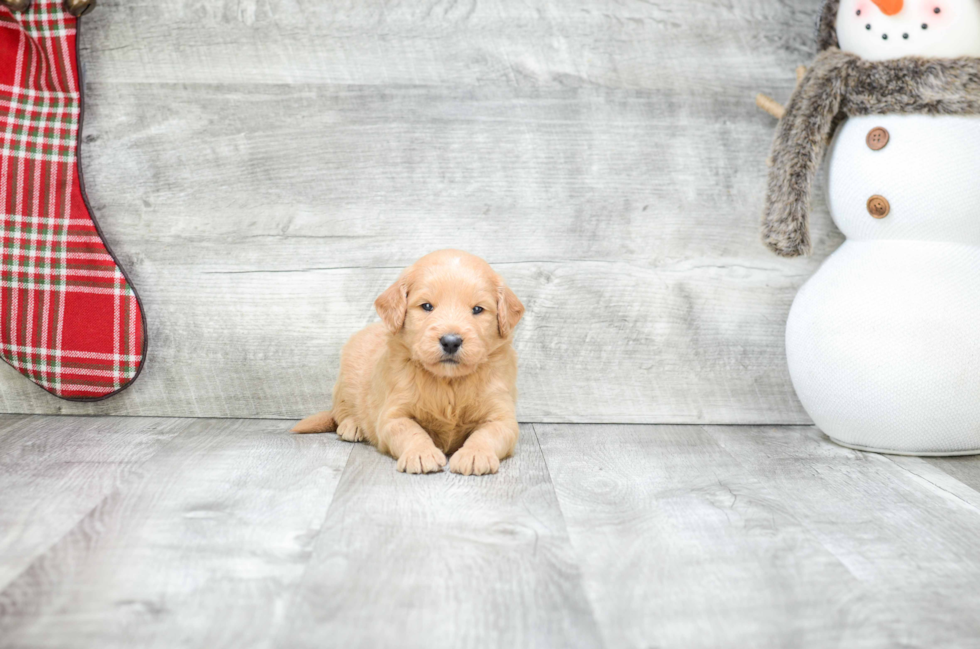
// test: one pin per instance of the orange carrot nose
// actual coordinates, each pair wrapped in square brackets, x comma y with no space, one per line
[889,7]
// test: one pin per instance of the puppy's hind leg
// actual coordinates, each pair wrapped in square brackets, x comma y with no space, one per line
[349,431]
[321,422]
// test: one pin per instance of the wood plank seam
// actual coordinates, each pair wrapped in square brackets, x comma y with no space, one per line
[99,539]
[813,533]
[132,477]
[932,478]
[575,551]
[291,594]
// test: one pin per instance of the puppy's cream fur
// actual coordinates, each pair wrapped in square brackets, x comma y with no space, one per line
[400,391]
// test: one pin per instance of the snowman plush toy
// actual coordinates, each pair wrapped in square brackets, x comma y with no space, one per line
[883,342]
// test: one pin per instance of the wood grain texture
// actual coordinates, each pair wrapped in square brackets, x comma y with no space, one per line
[233,533]
[264,169]
[910,543]
[964,469]
[954,480]
[682,546]
[54,471]
[203,549]
[442,561]
[762,537]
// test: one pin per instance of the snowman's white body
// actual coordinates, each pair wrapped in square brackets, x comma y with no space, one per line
[883,342]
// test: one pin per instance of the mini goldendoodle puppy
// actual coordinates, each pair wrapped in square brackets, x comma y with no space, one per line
[437,376]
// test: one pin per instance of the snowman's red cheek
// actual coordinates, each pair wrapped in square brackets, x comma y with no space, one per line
[862,9]
[933,14]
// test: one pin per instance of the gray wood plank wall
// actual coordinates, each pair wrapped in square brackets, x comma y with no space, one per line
[265,167]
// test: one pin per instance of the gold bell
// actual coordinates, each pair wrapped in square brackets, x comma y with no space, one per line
[79,8]
[19,6]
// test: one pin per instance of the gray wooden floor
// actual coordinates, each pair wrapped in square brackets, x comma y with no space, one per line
[145,532]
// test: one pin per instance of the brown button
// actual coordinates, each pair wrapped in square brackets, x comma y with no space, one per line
[878,206]
[877,138]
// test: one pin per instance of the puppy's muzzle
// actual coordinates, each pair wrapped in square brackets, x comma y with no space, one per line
[450,344]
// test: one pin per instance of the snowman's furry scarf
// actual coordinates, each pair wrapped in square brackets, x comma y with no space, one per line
[836,86]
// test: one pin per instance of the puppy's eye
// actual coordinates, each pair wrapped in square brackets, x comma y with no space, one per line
[426,306]
[477,310]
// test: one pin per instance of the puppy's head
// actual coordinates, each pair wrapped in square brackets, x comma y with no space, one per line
[451,310]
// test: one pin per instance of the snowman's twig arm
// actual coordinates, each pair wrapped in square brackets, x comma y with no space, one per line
[770,105]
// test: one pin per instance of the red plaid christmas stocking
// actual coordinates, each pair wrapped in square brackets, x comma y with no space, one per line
[70,320]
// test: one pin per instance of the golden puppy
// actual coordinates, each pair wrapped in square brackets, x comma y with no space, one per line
[437,376]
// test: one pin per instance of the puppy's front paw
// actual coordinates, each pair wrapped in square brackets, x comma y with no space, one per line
[349,432]
[422,459]
[474,461]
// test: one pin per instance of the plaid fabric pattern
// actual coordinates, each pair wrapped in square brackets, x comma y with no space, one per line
[69,320]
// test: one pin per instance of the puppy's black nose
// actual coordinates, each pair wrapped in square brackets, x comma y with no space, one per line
[451,343]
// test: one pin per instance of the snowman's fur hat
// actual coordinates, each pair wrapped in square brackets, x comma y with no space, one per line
[837,85]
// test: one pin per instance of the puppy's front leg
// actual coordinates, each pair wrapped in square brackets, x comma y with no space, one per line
[408,442]
[484,448]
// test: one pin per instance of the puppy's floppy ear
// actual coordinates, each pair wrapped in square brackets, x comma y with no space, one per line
[392,305]
[509,310]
